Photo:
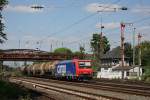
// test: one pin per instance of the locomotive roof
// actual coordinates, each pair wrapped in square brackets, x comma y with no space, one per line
[65,61]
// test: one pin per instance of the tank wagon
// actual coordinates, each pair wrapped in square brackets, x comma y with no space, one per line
[67,69]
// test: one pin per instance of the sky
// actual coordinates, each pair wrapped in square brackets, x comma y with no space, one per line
[71,23]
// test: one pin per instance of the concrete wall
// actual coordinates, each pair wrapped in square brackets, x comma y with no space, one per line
[117,74]
[109,73]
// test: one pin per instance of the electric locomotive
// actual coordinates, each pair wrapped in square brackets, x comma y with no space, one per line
[74,69]
[68,69]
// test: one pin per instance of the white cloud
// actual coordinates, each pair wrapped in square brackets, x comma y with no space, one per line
[22,9]
[94,7]
[108,26]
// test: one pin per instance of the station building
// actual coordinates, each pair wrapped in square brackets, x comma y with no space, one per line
[111,67]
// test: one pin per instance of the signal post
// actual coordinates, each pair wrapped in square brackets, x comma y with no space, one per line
[139,52]
[122,48]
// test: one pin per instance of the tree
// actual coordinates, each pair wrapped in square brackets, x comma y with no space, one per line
[63,51]
[145,53]
[95,43]
[81,52]
[145,59]
[106,44]
[2,34]
[128,51]
[99,50]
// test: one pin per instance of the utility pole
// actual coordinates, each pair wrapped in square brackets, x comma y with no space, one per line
[110,10]
[62,44]
[139,51]
[100,44]
[19,44]
[40,44]
[101,41]
[101,35]
[134,46]
[51,48]
[122,48]
[122,32]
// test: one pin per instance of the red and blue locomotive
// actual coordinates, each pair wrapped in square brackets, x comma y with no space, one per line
[74,69]
[68,69]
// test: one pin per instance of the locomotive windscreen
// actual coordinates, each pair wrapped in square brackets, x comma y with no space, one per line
[84,64]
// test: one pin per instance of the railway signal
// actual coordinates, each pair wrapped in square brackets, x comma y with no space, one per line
[122,47]
[134,46]
[110,9]
[139,51]
[122,44]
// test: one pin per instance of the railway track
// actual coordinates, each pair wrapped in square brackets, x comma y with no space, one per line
[143,89]
[117,87]
[48,88]
[131,82]
[142,92]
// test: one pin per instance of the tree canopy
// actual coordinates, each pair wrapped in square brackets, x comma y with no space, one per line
[128,51]
[63,51]
[2,34]
[145,52]
[95,43]
[145,57]
[81,52]
[99,49]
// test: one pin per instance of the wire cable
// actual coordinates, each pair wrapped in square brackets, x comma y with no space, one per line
[136,21]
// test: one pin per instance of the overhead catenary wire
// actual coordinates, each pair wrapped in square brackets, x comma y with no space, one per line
[117,1]
[72,25]
[117,28]
[108,6]
[77,22]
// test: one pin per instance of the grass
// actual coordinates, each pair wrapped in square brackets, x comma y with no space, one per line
[9,91]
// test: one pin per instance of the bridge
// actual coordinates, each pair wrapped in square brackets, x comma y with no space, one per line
[34,55]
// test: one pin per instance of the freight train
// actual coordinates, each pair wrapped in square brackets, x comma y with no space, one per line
[68,69]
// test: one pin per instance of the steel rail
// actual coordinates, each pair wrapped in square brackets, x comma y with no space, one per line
[82,94]
[114,87]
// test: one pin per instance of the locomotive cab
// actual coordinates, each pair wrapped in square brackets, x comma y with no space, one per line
[84,69]
[74,69]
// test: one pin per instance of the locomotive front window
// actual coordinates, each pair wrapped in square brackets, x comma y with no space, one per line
[84,64]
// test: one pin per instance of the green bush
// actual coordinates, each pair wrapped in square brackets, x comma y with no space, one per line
[146,75]
[148,79]
[9,91]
